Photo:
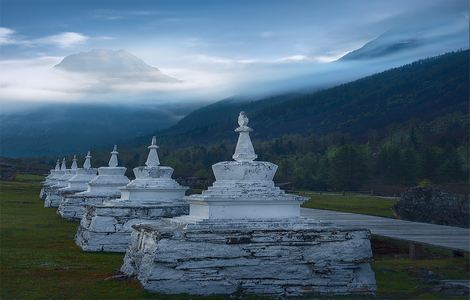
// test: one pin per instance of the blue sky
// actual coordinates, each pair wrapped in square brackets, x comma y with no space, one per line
[213,42]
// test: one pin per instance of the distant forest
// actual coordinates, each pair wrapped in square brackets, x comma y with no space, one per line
[416,153]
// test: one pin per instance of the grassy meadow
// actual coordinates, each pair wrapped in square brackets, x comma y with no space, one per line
[39,259]
[351,202]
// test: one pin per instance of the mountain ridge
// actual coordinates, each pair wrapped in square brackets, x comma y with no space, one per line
[400,92]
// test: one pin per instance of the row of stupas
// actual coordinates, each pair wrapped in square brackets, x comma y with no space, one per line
[242,235]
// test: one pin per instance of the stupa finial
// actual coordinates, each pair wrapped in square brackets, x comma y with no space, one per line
[63,166]
[74,163]
[57,165]
[152,158]
[113,161]
[244,150]
[87,163]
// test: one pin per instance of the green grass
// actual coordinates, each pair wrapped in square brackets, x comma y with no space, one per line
[399,277]
[39,260]
[349,202]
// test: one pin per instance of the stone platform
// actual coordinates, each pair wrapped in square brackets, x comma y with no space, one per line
[73,207]
[107,227]
[151,195]
[104,187]
[276,257]
[53,195]
[50,180]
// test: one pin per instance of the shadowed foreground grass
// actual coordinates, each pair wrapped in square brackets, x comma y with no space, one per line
[349,202]
[39,260]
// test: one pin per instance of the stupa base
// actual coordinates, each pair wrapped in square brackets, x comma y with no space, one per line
[42,194]
[72,207]
[46,190]
[276,257]
[108,227]
[52,199]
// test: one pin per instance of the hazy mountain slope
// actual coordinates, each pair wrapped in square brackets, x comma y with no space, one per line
[68,129]
[421,90]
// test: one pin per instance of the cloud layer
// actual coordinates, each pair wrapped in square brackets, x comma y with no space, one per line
[216,51]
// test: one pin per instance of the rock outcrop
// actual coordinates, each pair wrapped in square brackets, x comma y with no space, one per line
[432,205]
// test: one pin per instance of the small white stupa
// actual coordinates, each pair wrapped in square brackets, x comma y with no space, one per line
[244,235]
[151,195]
[53,198]
[76,184]
[103,187]
[50,180]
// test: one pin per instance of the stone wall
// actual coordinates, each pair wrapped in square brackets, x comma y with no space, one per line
[276,258]
[107,228]
[432,205]
[72,207]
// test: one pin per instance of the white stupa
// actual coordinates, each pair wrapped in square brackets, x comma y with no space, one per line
[78,183]
[50,180]
[103,187]
[53,197]
[151,195]
[244,235]
[244,188]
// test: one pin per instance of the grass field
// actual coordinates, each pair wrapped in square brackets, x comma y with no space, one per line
[39,260]
[349,202]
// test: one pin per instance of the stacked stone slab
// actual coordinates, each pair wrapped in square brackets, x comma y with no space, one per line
[103,187]
[152,195]
[53,196]
[76,184]
[50,180]
[244,235]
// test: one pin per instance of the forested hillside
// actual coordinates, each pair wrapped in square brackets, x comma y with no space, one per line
[422,90]
[399,128]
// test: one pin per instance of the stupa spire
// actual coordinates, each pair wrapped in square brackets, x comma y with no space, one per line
[57,165]
[113,161]
[87,163]
[74,163]
[63,166]
[152,158]
[244,150]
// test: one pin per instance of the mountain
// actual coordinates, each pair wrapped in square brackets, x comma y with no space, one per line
[422,90]
[383,46]
[74,128]
[410,42]
[113,63]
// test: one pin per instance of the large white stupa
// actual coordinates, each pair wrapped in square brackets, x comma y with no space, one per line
[53,197]
[78,183]
[244,235]
[151,195]
[103,187]
[50,180]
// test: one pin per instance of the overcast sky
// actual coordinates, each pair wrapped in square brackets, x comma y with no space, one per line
[201,41]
